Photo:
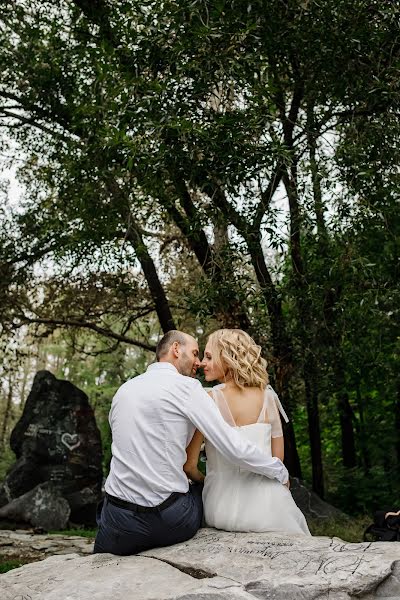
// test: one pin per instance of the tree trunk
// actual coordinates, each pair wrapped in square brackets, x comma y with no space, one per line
[292,459]
[345,411]
[26,371]
[347,432]
[314,430]
[7,415]
[156,289]
[282,349]
[343,405]
[312,135]
[305,331]
[134,235]
[363,438]
[397,423]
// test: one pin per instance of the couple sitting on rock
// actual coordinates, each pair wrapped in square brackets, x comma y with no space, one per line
[159,420]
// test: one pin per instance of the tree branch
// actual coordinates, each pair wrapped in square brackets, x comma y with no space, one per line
[133,234]
[30,121]
[267,194]
[79,324]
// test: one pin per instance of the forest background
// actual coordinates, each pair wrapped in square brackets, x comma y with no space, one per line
[196,165]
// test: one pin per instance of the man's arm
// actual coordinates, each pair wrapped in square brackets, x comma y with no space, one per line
[203,413]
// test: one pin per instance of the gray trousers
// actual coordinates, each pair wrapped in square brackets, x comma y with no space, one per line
[123,531]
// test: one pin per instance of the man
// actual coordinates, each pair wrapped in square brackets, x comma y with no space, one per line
[153,417]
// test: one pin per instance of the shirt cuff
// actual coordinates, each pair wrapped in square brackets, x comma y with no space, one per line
[283,475]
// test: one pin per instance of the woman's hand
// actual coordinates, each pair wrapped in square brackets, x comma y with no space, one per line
[193,473]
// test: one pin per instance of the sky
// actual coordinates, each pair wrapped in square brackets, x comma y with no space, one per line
[8,169]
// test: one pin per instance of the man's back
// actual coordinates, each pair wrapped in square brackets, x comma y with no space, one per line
[150,433]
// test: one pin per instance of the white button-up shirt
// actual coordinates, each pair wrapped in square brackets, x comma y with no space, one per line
[153,418]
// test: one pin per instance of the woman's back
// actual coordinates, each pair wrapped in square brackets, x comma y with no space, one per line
[238,500]
[245,405]
[250,424]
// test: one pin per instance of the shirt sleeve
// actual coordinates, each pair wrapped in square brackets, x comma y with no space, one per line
[203,413]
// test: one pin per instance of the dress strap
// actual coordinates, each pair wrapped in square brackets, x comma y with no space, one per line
[220,401]
[278,403]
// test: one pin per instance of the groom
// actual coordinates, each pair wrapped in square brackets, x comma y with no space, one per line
[148,500]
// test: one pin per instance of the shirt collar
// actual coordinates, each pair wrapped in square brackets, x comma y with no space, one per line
[162,365]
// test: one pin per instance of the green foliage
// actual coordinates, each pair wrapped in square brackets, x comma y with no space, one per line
[159,141]
[88,533]
[349,530]
[7,458]
[357,492]
[8,564]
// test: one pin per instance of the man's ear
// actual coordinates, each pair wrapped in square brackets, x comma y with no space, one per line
[175,349]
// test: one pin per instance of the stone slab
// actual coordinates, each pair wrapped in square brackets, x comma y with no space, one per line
[30,546]
[273,566]
[217,565]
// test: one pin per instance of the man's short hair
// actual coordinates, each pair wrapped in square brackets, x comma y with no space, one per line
[167,340]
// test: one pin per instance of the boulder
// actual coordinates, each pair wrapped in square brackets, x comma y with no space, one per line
[57,440]
[217,565]
[43,507]
[311,505]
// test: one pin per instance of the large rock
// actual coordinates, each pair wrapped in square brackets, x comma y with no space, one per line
[217,565]
[43,507]
[311,505]
[57,440]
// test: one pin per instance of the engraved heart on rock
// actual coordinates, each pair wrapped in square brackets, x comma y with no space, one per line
[71,440]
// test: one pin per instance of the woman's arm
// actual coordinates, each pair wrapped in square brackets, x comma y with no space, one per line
[193,453]
[274,417]
[278,447]
[278,450]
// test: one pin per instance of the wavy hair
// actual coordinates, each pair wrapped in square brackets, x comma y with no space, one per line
[237,354]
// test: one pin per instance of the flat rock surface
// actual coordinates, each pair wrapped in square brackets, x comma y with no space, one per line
[26,545]
[217,565]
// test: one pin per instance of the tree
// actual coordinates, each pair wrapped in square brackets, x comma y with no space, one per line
[185,121]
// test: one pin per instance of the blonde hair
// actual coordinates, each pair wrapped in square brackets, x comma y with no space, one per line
[237,353]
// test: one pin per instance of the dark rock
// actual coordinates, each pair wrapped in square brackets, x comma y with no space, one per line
[311,505]
[43,507]
[57,440]
[83,506]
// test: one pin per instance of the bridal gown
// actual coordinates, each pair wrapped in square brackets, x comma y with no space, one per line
[237,500]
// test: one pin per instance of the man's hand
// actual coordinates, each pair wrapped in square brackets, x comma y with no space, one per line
[287,484]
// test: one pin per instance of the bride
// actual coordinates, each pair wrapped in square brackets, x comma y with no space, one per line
[235,499]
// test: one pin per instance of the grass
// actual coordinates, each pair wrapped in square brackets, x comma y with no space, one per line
[89,533]
[8,564]
[349,530]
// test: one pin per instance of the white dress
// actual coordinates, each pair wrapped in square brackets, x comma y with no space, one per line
[238,500]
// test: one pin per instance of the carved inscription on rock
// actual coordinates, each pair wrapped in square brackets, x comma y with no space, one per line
[298,556]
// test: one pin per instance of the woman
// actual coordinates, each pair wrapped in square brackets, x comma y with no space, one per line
[234,499]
